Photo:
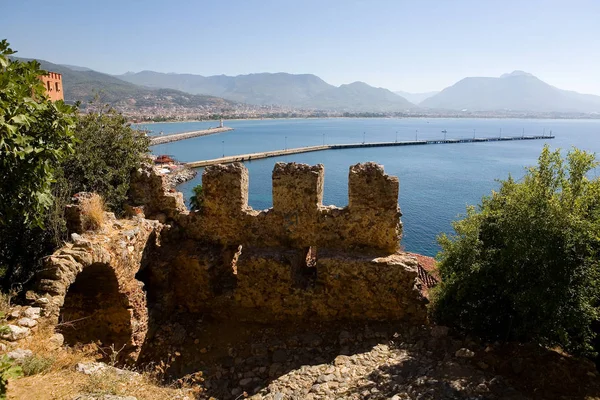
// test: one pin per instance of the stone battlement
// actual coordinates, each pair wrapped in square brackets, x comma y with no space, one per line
[298,218]
[297,261]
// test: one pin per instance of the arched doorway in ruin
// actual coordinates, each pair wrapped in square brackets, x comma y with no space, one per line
[94,310]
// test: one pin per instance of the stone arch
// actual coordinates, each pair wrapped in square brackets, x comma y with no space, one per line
[89,289]
[94,310]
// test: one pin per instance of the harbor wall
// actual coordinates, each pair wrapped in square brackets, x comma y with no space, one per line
[186,135]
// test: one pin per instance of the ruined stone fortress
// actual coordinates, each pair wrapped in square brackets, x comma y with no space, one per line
[297,261]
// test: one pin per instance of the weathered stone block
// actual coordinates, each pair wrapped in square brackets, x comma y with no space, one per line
[297,188]
[369,188]
[369,288]
[225,189]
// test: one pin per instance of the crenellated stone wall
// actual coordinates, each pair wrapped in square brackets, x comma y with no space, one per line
[298,219]
[299,260]
[151,190]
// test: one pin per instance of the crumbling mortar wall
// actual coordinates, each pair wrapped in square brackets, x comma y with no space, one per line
[359,273]
[299,260]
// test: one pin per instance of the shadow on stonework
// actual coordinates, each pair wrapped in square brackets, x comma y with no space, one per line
[95,311]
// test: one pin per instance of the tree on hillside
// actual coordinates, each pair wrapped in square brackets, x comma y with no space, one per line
[525,264]
[106,153]
[35,136]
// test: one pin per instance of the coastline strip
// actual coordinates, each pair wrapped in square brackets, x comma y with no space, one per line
[277,153]
[154,140]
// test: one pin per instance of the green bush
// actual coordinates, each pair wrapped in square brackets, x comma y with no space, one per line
[106,153]
[197,199]
[524,265]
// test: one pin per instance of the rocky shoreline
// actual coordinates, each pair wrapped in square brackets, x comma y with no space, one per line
[179,173]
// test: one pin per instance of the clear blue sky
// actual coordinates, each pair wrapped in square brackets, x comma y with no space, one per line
[416,45]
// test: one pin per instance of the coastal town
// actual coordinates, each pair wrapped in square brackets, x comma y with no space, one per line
[248,111]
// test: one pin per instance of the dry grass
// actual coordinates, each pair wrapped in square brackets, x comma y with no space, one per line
[62,358]
[92,212]
[52,375]
[67,384]
[35,364]
[5,299]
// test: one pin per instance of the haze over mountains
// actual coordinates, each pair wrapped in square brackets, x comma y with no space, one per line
[416,98]
[513,92]
[518,91]
[301,91]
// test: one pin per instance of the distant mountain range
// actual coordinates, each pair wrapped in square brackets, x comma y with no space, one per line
[513,92]
[301,91]
[359,96]
[517,91]
[83,84]
[416,98]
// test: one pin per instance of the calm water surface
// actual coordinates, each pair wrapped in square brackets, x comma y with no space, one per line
[437,182]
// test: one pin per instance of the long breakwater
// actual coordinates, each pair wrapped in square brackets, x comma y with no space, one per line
[307,149]
[187,135]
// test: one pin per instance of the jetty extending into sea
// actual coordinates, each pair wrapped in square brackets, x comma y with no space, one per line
[307,149]
[154,140]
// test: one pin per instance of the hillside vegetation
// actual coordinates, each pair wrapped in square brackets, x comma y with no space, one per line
[302,91]
[85,85]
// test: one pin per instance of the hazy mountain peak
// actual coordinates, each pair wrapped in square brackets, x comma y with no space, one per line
[524,92]
[517,73]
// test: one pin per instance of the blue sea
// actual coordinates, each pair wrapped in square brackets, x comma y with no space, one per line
[437,182]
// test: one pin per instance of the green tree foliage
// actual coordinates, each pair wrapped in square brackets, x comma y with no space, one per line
[525,264]
[197,199]
[47,153]
[106,153]
[35,137]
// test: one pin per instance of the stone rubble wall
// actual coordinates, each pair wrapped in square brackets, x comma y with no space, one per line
[343,287]
[120,246]
[271,284]
[152,191]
